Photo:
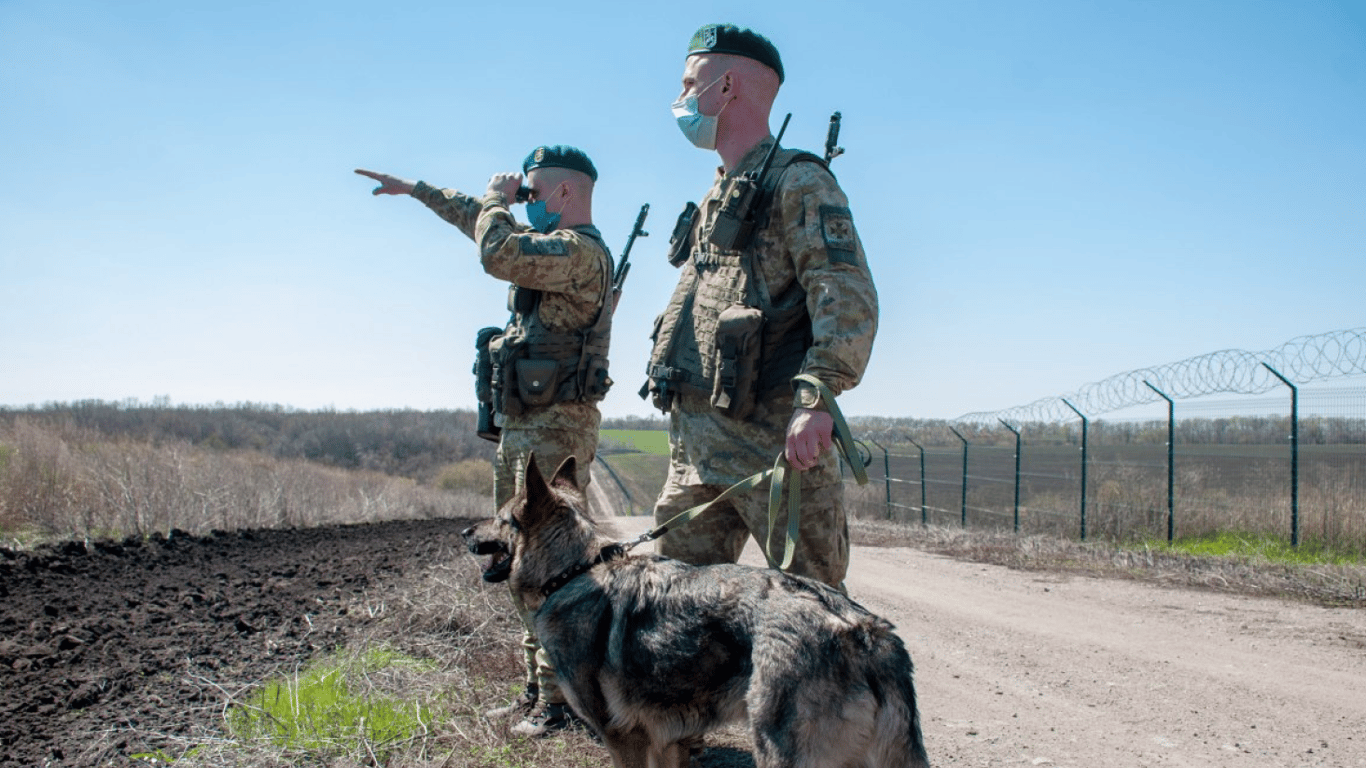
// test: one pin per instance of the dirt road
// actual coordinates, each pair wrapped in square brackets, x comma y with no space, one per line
[1016,668]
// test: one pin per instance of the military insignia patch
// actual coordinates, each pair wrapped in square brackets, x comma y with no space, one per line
[837,229]
[709,37]
[531,245]
[540,154]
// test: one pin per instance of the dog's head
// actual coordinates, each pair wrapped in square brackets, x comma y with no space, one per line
[537,534]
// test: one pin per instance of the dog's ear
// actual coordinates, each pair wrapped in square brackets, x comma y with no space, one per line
[567,473]
[538,495]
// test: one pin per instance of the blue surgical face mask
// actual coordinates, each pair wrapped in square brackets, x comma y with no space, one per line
[541,220]
[699,129]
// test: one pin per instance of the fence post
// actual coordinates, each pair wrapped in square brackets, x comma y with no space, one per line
[886,474]
[1083,466]
[1171,456]
[964,522]
[924,513]
[1294,456]
[1017,473]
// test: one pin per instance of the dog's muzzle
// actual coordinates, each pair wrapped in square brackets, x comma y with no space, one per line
[499,564]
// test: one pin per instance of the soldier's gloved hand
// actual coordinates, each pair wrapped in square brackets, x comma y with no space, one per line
[809,434]
[507,183]
[388,185]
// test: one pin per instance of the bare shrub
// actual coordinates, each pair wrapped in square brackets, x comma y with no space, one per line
[470,475]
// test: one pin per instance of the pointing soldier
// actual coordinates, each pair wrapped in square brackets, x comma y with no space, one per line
[548,367]
[783,291]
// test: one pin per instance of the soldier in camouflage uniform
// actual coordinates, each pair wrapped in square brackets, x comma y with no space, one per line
[745,318]
[560,269]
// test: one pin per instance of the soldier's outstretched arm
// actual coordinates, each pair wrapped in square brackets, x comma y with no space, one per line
[388,184]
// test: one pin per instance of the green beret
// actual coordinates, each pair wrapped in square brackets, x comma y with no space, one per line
[560,156]
[737,41]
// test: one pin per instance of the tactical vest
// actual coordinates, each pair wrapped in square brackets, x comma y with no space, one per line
[532,366]
[723,335]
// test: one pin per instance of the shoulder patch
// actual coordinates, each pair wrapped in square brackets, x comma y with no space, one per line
[837,228]
[538,245]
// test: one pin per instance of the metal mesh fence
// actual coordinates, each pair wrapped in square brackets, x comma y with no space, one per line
[1257,462]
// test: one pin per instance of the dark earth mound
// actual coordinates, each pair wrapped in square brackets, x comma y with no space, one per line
[111,649]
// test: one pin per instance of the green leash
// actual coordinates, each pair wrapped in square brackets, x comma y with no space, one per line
[844,443]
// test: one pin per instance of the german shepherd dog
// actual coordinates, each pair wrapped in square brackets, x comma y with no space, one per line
[651,651]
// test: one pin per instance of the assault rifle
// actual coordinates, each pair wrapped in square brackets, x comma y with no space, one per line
[832,137]
[624,265]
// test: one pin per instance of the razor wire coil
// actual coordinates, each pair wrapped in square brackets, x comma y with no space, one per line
[1303,359]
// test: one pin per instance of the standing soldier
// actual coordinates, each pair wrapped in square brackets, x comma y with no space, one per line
[773,285]
[547,369]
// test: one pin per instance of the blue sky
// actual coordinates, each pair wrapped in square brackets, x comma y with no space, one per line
[1049,192]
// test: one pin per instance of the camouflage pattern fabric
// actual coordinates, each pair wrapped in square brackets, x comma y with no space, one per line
[553,433]
[570,268]
[718,535]
[809,240]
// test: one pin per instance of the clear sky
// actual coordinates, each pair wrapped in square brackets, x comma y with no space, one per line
[1050,192]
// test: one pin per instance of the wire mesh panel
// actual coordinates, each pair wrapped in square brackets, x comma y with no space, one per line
[1268,458]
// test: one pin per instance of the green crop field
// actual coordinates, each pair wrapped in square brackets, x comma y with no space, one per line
[655,441]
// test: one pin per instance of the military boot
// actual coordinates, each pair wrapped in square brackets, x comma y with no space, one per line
[522,705]
[547,719]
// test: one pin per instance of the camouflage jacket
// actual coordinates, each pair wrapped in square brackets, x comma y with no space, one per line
[809,244]
[570,267]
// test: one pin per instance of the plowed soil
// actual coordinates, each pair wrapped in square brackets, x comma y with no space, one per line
[116,649]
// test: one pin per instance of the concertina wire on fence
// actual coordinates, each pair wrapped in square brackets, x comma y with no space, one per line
[1302,359]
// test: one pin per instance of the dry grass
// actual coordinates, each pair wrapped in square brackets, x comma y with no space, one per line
[1325,584]
[59,482]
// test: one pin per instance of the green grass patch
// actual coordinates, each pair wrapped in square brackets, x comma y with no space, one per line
[1257,546]
[655,441]
[323,708]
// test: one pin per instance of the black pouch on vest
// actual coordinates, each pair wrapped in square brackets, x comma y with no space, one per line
[536,382]
[680,242]
[738,336]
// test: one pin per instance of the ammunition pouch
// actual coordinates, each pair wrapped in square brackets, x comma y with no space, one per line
[739,332]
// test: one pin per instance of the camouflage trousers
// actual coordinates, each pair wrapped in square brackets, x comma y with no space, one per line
[551,446]
[718,535]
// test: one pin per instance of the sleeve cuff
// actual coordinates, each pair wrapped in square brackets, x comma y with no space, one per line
[806,396]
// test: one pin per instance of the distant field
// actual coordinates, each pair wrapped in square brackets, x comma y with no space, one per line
[639,460]
[655,441]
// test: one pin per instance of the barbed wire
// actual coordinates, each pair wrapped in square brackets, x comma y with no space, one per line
[1301,360]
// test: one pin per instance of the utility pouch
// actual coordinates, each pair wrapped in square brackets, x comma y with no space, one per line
[680,242]
[504,351]
[483,364]
[536,382]
[521,300]
[483,382]
[739,332]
